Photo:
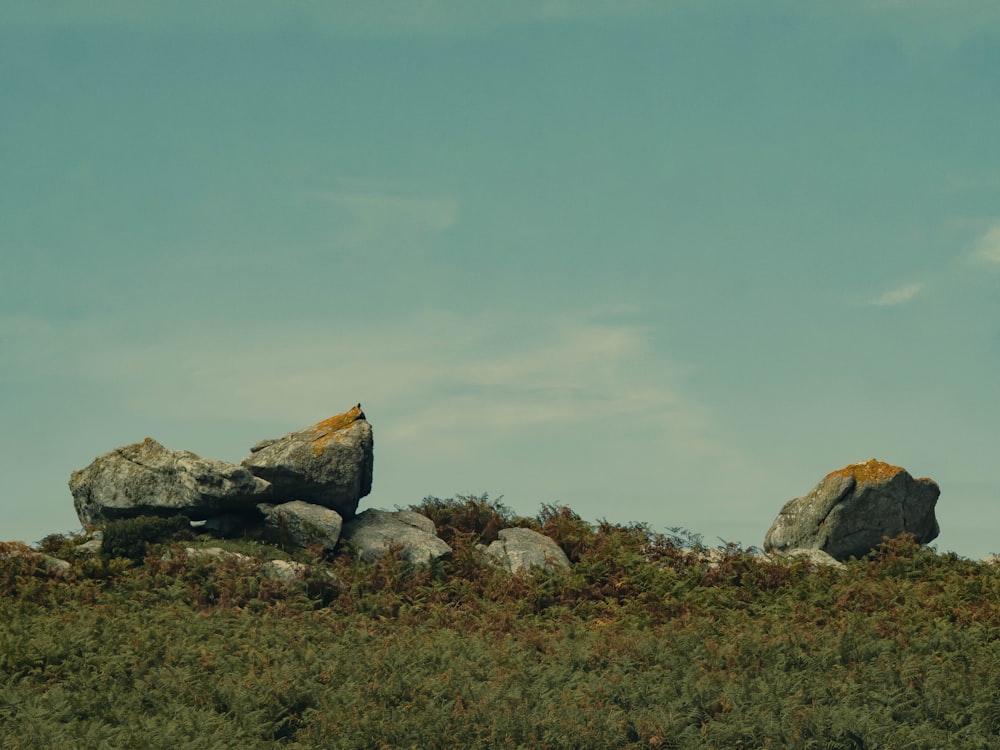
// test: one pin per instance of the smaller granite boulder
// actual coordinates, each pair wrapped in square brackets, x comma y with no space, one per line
[520,550]
[284,571]
[303,524]
[711,557]
[852,510]
[328,464]
[211,554]
[146,479]
[815,556]
[93,544]
[374,532]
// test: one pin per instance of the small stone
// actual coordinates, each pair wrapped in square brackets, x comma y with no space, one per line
[815,556]
[285,571]
[303,524]
[519,550]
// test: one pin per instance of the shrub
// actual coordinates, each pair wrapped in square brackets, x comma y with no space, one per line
[130,537]
[567,529]
[468,515]
[57,544]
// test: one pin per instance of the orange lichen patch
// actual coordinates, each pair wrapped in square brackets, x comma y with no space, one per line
[871,470]
[326,429]
[340,421]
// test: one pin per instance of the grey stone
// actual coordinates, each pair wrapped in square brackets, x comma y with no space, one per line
[371,533]
[212,553]
[147,479]
[328,464]
[55,566]
[303,524]
[520,550]
[711,557]
[815,556]
[284,571]
[852,510]
[93,544]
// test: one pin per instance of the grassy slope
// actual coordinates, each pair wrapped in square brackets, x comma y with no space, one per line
[640,645]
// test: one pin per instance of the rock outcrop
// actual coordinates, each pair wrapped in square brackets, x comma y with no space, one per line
[374,532]
[520,550]
[303,524]
[306,482]
[328,464]
[147,479]
[852,510]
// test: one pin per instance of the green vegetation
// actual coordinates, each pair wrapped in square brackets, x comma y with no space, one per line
[131,537]
[643,644]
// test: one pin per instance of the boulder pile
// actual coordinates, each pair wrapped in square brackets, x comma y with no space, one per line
[302,489]
[327,466]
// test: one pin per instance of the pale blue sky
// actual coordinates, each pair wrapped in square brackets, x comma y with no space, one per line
[658,261]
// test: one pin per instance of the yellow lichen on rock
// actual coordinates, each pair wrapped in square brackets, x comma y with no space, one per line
[871,470]
[326,429]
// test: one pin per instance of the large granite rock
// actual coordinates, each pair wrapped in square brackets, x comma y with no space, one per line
[328,464]
[303,524]
[852,510]
[147,479]
[521,550]
[374,532]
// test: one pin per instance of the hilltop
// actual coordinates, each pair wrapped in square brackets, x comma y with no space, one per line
[649,640]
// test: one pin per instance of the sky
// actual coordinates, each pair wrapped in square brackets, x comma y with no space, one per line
[665,262]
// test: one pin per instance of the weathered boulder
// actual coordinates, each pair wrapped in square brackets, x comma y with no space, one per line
[303,524]
[284,571]
[147,479]
[852,510]
[520,550]
[328,464]
[93,544]
[374,532]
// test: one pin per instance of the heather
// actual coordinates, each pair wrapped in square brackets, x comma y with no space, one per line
[646,642]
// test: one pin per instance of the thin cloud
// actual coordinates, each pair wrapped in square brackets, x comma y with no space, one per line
[437,381]
[898,296]
[988,247]
[376,211]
